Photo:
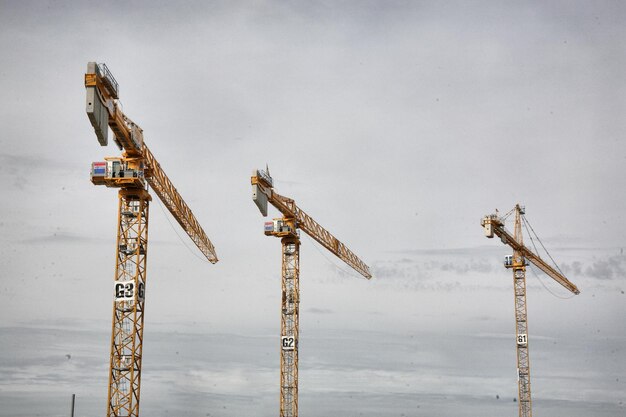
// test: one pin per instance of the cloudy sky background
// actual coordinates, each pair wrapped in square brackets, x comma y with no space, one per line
[396,125]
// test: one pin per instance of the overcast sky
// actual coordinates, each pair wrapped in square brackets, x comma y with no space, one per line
[397,125]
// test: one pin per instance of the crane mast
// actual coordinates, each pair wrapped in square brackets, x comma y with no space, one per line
[131,174]
[287,229]
[494,225]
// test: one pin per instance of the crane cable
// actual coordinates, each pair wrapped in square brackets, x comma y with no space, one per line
[526,226]
[347,272]
[526,222]
[503,218]
[548,289]
[177,234]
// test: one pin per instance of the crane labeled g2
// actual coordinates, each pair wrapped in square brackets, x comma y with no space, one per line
[493,224]
[131,173]
[287,229]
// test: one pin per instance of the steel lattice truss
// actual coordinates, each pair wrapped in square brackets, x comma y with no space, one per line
[521,327]
[168,194]
[289,324]
[129,303]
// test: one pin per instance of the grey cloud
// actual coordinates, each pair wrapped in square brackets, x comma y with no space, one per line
[459,261]
[483,318]
[316,310]
[205,373]
[382,270]
[607,268]
[473,251]
[375,313]
[574,268]
[405,268]
[286,182]
[63,238]
[32,163]
[23,169]
[480,266]
[462,261]
[13,161]
[610,268]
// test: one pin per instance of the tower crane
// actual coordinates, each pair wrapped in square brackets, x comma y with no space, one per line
[287,228]
[494,225]
[131,173]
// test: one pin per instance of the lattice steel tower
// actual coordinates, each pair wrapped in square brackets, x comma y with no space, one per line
[518,265]
[289,325]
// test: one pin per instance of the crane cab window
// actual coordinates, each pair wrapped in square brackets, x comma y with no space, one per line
[116,168]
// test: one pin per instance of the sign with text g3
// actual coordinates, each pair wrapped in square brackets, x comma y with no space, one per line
[125,291]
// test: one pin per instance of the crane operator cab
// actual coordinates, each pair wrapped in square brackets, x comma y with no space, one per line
[118,172]
[280,228]
[508,261]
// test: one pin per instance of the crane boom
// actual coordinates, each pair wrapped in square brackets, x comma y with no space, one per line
[168,194]
[494,225]
[288,208]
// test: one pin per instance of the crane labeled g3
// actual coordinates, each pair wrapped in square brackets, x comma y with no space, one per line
[494,225]
[131,174]
[287,228]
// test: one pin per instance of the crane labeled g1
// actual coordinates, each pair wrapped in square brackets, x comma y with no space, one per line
[493,224]
[131,173]
[287,229]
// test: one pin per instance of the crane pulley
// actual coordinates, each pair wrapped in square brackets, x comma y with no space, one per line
[493,225]
[286,228]
[131,173]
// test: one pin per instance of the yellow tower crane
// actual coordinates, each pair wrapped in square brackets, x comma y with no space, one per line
[131,173]
[494,225]
[286,228]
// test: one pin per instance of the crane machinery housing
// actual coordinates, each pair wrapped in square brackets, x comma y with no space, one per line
[131,173]
[287,229]
[492,225]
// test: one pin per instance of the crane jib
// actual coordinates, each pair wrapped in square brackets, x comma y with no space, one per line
[493,225]
[263,193]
